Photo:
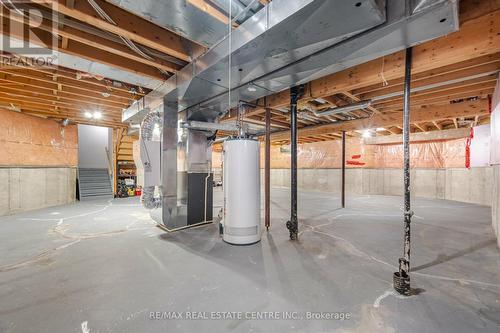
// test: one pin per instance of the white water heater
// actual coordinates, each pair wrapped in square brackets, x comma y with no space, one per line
[241,183]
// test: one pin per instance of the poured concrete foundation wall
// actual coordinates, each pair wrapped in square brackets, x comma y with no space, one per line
[38,159]
[25,188]
[495,207]
[459,184]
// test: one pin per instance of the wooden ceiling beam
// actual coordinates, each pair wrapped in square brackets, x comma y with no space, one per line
[466,77]
[63,115]
[457,70]
[68,33]
[358,99]
[476,38]
[55,109]
[274,123]
[91,81]
[36,77]
[86,52]
[471,9]
[419,137]
[392,131]
[430,97]
[129,26]
[59,96]
[420,127]
[428,114]
[438,126]
[452,94]
[43,38]
[476,120]
[53,102]
[69,93]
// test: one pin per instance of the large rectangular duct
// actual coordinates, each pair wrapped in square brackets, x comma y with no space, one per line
[275,37]
[403,28]
[407,23]
[283,45]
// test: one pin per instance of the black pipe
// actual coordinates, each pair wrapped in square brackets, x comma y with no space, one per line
[293,224]
[343,170]
[268,170]
[402,278]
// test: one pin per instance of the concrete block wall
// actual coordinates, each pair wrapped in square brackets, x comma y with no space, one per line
[24,188]
[458,184]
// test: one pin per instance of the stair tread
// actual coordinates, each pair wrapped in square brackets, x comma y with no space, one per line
[94,183]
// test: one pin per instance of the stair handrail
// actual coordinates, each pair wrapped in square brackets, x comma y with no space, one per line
[110,166]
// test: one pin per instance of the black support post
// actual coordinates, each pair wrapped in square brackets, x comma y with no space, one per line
[293,224]
[267,170]
[343,171]
[401,278]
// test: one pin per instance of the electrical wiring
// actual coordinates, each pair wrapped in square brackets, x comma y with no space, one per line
[133,46]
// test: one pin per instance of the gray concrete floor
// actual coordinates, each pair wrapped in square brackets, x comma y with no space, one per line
[104,267]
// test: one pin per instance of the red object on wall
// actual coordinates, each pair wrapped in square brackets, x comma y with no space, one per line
[355,157]
[467,148]
[355,163]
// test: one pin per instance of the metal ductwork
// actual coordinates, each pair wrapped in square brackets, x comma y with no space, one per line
[275,37]
[402,29]
[149,149]
[186,157]
[418,5]
[186,19]
[212,127]
[241,10]
[267,58]
[284,44]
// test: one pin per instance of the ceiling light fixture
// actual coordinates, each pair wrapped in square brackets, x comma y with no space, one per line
[367,134]
[88,115]
[97,115]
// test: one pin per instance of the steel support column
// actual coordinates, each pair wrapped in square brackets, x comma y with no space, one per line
[343,171]
[267,170]
[401,278]
[293,224]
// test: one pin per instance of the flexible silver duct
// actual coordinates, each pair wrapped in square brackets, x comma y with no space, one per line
[151,120]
